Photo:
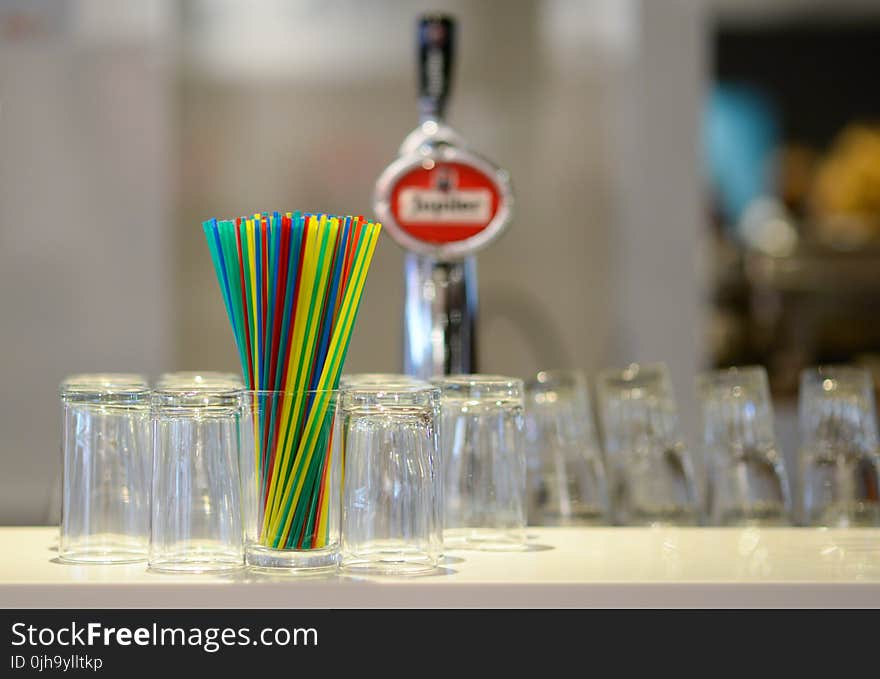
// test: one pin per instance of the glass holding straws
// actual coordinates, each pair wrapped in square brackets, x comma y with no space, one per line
[291,285]
[291,479]
[651,468]
[747,483]
[839,455]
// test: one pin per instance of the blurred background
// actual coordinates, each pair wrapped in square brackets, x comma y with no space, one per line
[698,182]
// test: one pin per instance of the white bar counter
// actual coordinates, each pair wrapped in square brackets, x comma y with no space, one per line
[563,567]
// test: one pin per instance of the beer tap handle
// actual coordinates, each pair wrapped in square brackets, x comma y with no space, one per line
[436,44]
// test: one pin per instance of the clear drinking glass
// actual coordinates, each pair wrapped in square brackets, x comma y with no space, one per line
[652,472]
[196,526]
[566,474]
[291,476]
[747,482]
[839,452]
[391,381]
[105,507]
[389,516]
[483,462]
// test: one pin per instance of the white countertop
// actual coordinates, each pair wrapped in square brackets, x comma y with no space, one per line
[564,567]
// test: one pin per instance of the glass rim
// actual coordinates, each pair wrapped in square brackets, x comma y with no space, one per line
[185,397]
[281,392]
[106,387]
[357,380]
[392,388]
[498,389]
[197,378]
[727,379]
[182,388]
[557,379]
[477,380]
[634,376]
[390,400]
[834,379]
[835,370]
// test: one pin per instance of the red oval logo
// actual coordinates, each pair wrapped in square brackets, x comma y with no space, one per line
[444,202]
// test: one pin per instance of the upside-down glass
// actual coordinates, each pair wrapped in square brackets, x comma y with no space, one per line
[483,462]
[566,474]
[747,483]
[651,468]
[390,381]
[290,464]
[105,508]
[389,510]
[839,451]
[196,526]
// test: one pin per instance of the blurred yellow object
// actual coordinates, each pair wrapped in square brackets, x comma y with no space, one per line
[846,194]
[796,167]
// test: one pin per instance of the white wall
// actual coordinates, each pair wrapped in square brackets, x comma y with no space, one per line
[660,236]
[85,134]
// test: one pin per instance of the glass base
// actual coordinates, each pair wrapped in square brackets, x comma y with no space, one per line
[853,514]
[389,559]
[103,555]
[485,539]
[103,548]
[662,516]
[202,561]
[583,517]
[758,515]
[305,561]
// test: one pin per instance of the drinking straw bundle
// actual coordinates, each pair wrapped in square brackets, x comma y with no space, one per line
[292,286]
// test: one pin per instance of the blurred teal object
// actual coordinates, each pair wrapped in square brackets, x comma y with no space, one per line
[741,132]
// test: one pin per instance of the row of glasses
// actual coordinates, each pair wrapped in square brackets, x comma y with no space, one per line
[646,475]
[429,467]
[176,474]
[147,471]
[838,461]
[444,463]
